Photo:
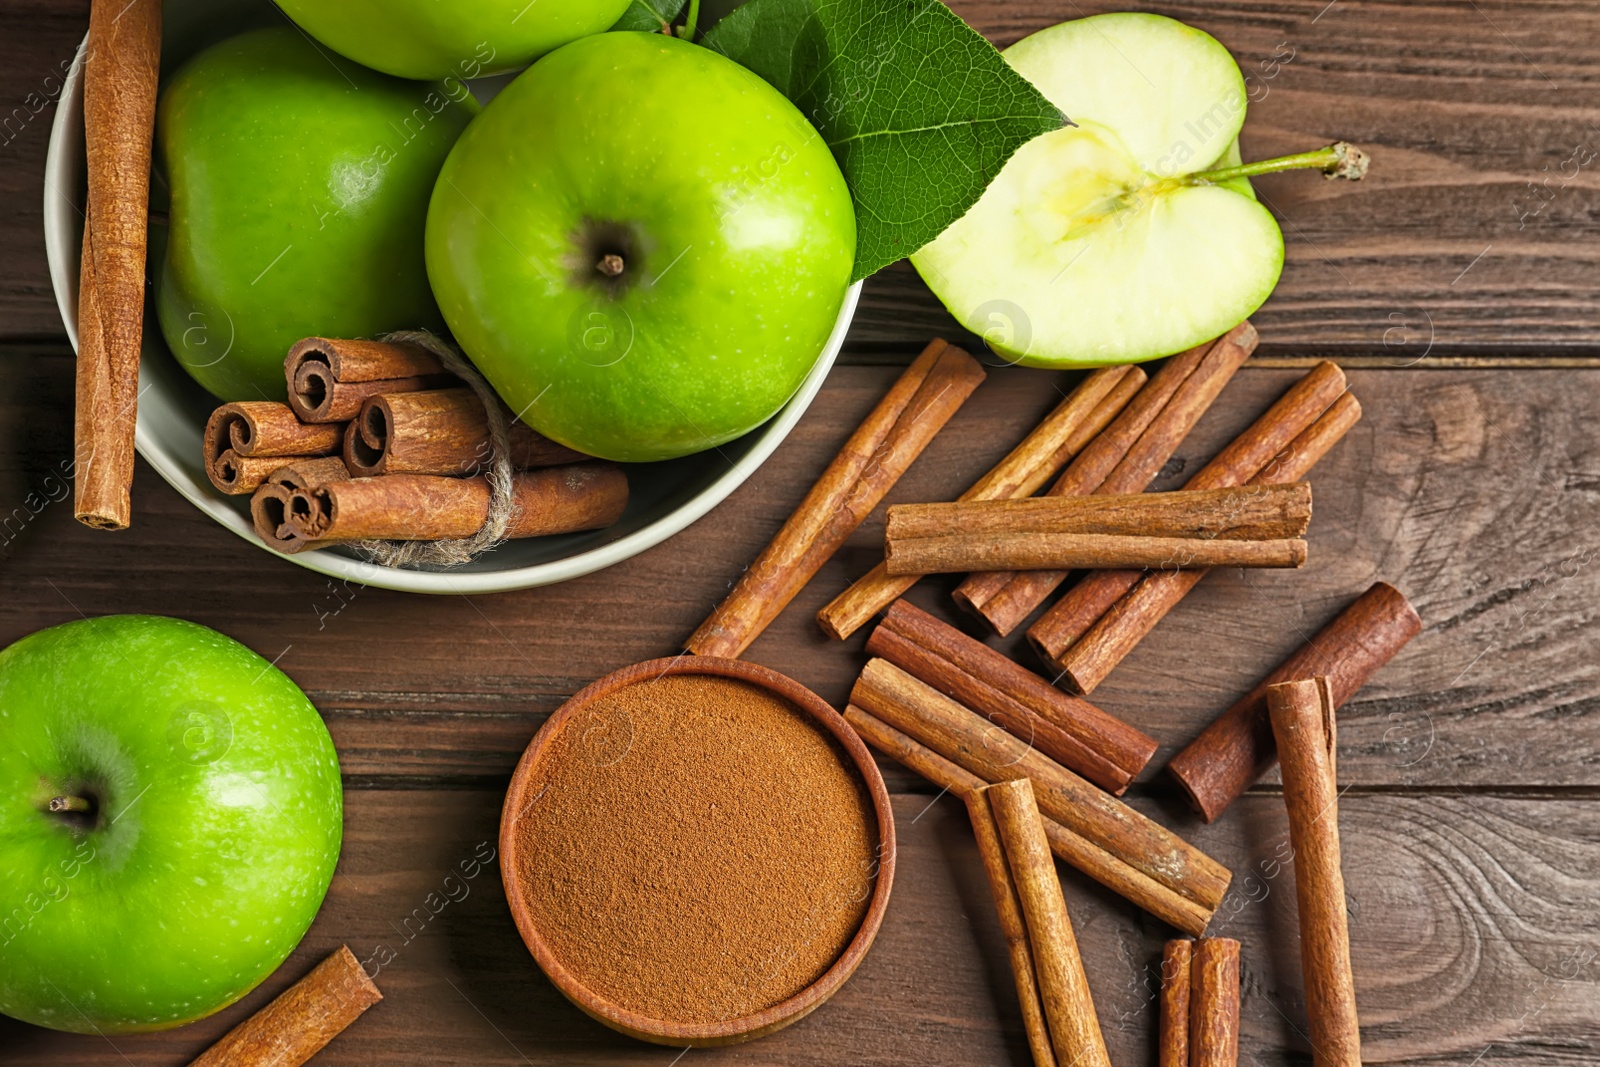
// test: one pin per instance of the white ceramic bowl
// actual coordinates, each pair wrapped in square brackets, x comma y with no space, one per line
[666,497]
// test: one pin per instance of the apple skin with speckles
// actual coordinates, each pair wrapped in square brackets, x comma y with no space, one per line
[299,188]
[429,39]
[720,214]
[214,820]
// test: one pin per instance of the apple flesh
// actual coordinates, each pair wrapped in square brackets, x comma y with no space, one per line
[444,38]
[200,824]
[642,245]
[1123,238]
[299,186]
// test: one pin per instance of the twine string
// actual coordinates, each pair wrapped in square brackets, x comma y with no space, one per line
[453,552]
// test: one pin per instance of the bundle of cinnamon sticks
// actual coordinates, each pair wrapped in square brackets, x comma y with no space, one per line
[380,442]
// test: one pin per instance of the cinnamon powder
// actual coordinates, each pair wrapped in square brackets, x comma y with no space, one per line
[698,850]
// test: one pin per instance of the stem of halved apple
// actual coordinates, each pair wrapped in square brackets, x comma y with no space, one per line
[1339,160]
[70,804]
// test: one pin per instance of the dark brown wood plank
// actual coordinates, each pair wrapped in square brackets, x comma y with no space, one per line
[1475,114]
[38,39]
[1475,491]
[1474,932]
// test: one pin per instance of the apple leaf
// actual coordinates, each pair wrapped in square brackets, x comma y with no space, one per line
[919,109]
[649,15]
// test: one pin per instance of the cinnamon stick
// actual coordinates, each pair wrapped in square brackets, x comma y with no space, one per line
[422,507]
[301,1020]
[1302,716]
[1085,474]
[1050,551]
[1085,664]
[1214,1003]
[238,475]
[1063,987]
[1173,1041]
[1124,459]
[1240,513]
[122,60]
[266,428]
[330,378]
[439,431]
[1238,748]
[269,505]
[968,739]
[1069,730]
[1012,926]
[1068,845]
[1065,432]
[916,407]
[1270,450]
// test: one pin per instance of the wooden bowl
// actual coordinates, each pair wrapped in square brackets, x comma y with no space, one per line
[727,1031]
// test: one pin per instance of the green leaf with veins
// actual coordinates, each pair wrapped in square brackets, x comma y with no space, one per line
[920,111]
[650,15]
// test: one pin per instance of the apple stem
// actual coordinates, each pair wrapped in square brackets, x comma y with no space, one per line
[1339,160]
[611,265]
[686,31]
[69,804]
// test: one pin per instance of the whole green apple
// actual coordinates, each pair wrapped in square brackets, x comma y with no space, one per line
[170,817]
[446,38]
[642,245]
[299,185]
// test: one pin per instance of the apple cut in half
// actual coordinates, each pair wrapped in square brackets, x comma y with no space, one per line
[1118,239]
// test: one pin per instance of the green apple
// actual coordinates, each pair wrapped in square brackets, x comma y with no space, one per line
[642,245]
[170,817]
[1133,234]
[299,185]
[447,38]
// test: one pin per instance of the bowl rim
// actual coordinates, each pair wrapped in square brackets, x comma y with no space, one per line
[63,237]
[727,1031]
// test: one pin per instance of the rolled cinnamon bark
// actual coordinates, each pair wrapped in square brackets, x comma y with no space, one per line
[439,431]
[1302,716]
[967,738]
[1237,748]
[1173,1042]
[1065,432]
[916,407]
[1128,460]
[121,61]
[422,507]
[1251,513]
[301,1020]
[269,505]
[1281,446]
[330,378]
[1065,552]
[1058,966]
[1071,847]
[1214,1003]
[1012,926]
[237,475]
[266,428]
[1069,730]
[1086,663]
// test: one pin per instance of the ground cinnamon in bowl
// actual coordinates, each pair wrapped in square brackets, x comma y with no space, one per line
[693,848]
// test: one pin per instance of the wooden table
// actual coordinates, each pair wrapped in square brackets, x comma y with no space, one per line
[1460,285]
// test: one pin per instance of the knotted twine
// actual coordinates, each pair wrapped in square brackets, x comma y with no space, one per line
[453,552]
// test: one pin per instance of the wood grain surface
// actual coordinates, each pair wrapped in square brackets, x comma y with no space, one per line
[1460,277]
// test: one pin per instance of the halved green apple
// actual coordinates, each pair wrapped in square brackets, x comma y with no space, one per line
[1131,235]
